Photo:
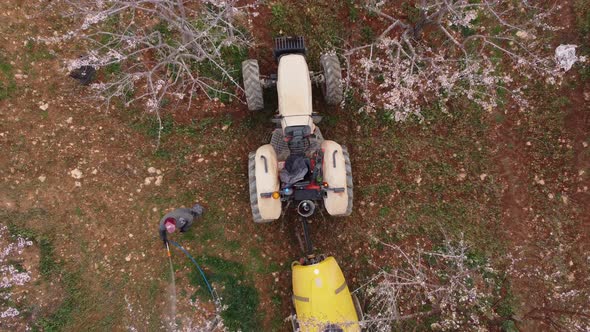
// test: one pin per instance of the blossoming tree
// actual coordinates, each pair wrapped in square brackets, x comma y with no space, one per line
[438,50]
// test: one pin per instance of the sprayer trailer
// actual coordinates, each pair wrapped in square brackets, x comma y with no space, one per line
[298,167]
[321,297]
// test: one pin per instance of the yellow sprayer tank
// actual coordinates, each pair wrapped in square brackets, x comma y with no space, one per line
[321,298]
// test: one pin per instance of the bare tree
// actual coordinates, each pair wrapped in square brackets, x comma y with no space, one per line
[166,49]
[438,50]
[445,284]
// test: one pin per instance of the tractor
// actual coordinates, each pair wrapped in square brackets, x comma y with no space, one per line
[297,167]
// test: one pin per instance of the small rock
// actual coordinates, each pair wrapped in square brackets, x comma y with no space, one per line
[522,34]
[483,176]
[159,180]
[551,196]
[94,171]
[155,209]
[418,180]
[200,160]
[528,143]
[130,235]
[152,170]
[462,176]
[42,178]
[78,184]
[44,106]
[584,144]
[564,199]
[76,173]
[224,128]
[147,181]
[128,258]
[69,120]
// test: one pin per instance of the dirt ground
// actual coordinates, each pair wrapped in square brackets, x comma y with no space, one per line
[87,185]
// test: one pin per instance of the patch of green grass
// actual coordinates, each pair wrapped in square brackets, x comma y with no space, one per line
[37,51]
[162,153]
[412,12]
[384,212]
[278,16]
[582,13]
[235,287]
[7,82]
[78,211]
[317,21]
[353,11]
[113,69]
[68,308]
[164,29]
[47,264]
[232,57]
[51,270]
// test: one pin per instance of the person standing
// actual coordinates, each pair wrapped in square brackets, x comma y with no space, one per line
[181,219]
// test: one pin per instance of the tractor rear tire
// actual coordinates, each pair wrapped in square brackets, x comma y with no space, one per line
[252,85]
[253,191]
[357,307]
[349,185]
[332,86]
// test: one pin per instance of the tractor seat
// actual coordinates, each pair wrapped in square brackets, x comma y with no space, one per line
[297,167]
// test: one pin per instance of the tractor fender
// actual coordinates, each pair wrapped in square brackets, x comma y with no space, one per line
[334,173]
[267,181]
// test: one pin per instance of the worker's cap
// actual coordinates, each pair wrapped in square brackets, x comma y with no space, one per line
[170,225]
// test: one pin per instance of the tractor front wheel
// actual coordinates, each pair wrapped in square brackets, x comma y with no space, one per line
[252,85]
[332,86]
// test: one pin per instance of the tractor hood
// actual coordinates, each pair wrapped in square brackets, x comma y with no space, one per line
[294,91]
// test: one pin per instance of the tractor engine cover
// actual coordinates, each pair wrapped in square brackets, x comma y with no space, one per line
[334,172]
[294,91]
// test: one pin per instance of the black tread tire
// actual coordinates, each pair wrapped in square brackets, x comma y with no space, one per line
[252,85]
[318,134]
[357,307]
[332,86]
[349,184]
[252,186]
